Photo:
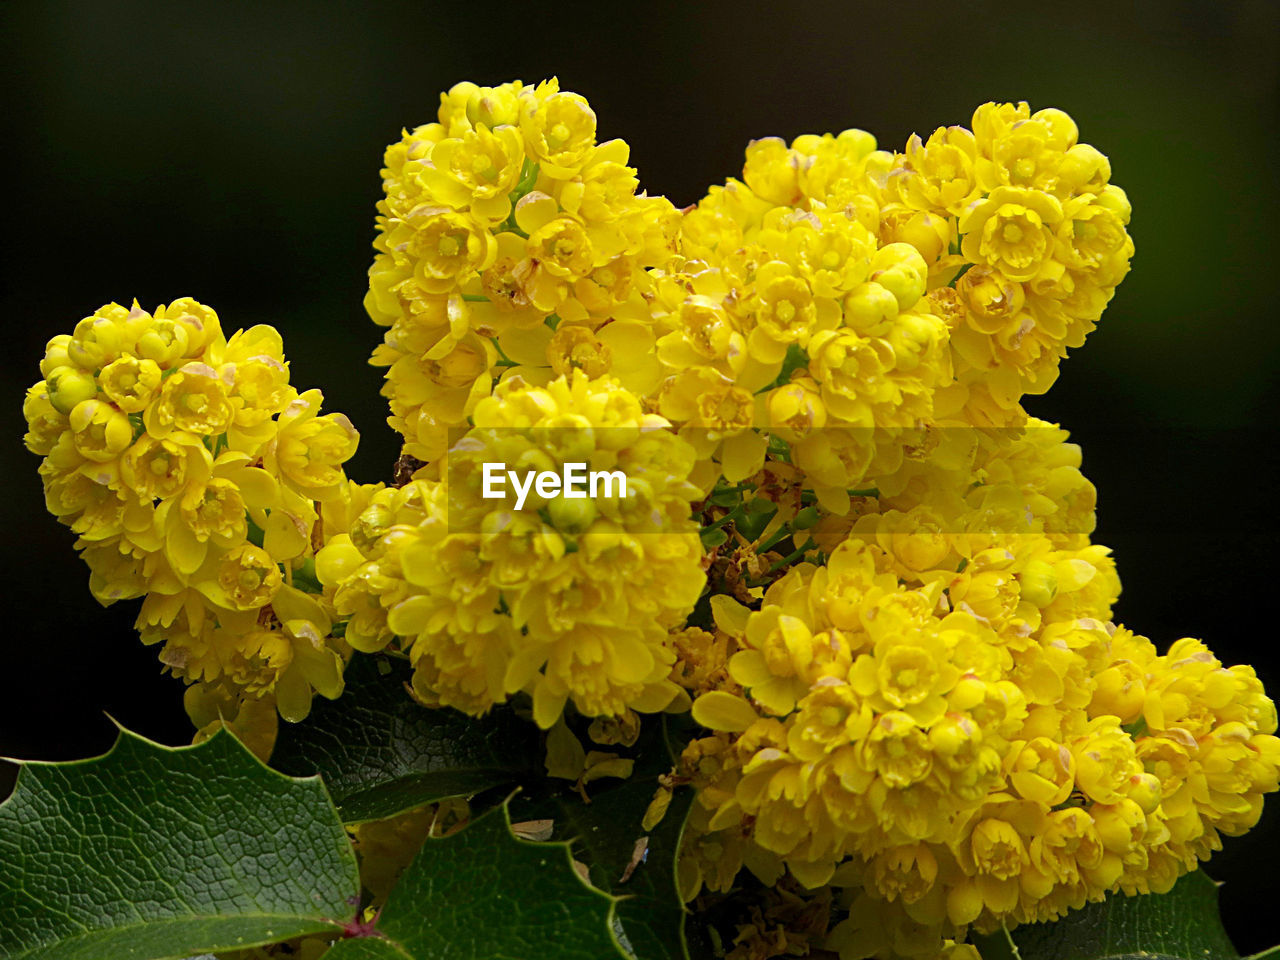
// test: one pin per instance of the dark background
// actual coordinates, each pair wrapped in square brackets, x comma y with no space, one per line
[230,152]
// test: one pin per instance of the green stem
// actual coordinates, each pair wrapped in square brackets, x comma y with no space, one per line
[963,270]
[778,537]
[716,525]
[1267,954]
[1013,947]
[504,360]
[791,558]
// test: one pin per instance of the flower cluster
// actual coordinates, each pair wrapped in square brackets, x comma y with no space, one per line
[193,473]
[789,317]
[507,238]
[1023,220]
[842,539]
[943,720]
[568,599]
[838,296]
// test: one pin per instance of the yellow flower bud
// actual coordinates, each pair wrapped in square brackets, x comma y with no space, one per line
[1145,791]
[869,306]
[572,516]
[101,431]
[130,382]
[69,386]
[55,354]
[494,106]
[900,269]
[96,342]
[1037,583]
[1043,771]
[164,341]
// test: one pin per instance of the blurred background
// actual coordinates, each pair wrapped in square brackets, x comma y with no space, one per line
[231,151]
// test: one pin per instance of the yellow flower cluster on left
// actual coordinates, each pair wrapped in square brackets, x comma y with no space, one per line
[193,473]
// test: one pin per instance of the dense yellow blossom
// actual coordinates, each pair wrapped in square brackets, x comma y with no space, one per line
[566,599]
[1041,246]
[845,544]
[192,473]
[944,716]
[503,220]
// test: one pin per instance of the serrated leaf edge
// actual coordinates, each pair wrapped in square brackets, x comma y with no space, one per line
[124,735]
[612,923]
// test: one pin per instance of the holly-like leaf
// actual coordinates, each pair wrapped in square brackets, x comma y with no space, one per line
[605,835]
[483,892]
[608,830]
[1182,924]
[151,851]
[381,754]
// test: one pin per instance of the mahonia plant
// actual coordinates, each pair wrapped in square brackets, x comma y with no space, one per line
[848,553]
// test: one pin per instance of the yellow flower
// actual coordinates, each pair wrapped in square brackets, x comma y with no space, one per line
[444,248]
[1012,231]
[308,450]
[495,106]
[1027,152]
[559,128]
[193,400]
[1092,239]
[831,717]
[897,750]
[998,850]
[45,423]
[782,659]
[910,673]
[938,174]
[252,364]
[130,383]
[101,431]
[246,578]
[291,662]
[477,171]
[1044,771]
[832,252]
[771,171]
[67,387]
[212,513]
[159,468]
[786,312]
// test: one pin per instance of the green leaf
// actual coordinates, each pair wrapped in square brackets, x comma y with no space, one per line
[651,912]
[1182,924]
[713,538]
[482,892]
[152,851]
[604,835]
[380,753]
